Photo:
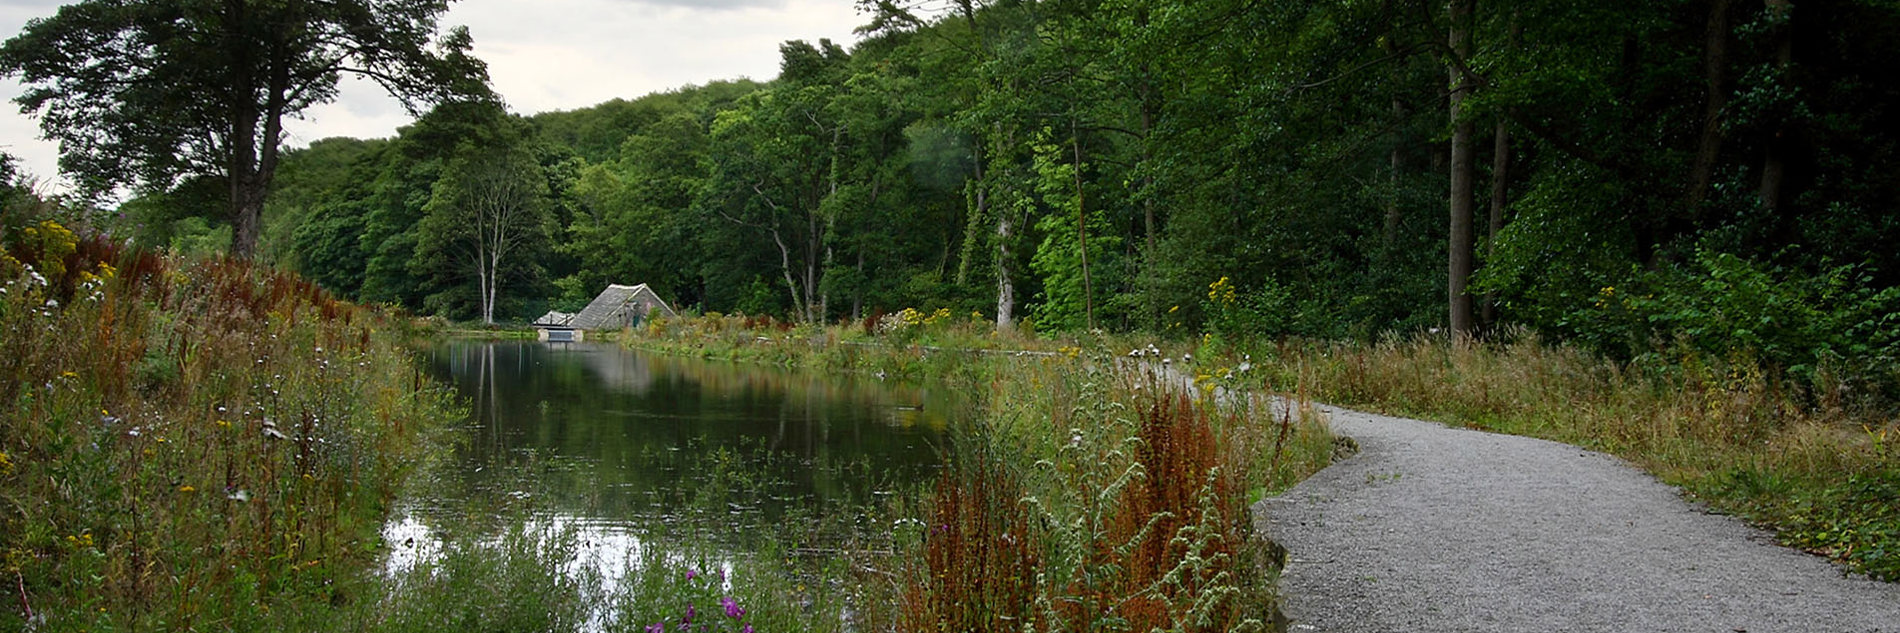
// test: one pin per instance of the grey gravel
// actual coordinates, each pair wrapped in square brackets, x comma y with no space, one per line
[1435,529]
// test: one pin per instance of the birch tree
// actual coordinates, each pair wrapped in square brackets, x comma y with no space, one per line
[487,210]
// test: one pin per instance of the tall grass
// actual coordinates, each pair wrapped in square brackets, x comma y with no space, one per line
[1816,464]
[190,445]
[1080,493]
[1095,499]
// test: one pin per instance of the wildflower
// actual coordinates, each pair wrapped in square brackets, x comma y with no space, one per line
[656,627]
[187,489]
[732,607]
[686,623]
[747,629]
[68,374]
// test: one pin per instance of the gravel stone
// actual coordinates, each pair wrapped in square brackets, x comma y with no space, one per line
[1429,529]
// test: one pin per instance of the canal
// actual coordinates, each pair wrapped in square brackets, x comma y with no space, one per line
[627,447]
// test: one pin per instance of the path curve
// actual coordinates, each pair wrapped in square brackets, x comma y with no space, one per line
[1429,528]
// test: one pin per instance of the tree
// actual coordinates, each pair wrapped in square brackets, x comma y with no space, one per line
[489,206]
[144,93]
[1462,171]
[774,168]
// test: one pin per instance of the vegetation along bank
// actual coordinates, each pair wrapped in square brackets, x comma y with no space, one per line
[1662,229]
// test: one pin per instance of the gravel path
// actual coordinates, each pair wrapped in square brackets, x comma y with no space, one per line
[1437,529]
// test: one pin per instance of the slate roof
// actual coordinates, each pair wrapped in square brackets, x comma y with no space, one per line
[555,319]
[619,306]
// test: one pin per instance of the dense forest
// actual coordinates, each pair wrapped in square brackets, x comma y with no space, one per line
[1630,176]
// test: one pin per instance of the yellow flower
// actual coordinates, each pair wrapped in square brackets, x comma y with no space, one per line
[6,463]
[1221,292]
[187,489]
[68,374]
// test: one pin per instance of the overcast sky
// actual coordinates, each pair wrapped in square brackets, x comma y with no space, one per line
[542,55]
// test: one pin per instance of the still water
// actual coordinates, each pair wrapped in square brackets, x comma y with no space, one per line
[622,443]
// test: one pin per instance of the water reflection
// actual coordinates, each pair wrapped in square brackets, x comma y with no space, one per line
[618,441]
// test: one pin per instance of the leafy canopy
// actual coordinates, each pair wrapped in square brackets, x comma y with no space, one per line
[143,93]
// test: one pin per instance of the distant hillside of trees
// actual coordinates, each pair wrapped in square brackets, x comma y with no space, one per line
[1630,176]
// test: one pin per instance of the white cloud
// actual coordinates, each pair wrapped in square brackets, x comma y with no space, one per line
[543,55]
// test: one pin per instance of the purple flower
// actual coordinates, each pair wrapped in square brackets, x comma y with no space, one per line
[657,627]
[732,608]
[747,629]
[692,573]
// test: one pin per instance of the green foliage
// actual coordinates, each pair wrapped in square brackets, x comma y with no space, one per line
[190,443]
[134,91]
[961,158]
[528,578]
[1722,306]
[486,222]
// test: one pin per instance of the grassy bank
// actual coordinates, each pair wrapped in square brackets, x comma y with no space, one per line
[1081,489]
[192,444]
[1820,466]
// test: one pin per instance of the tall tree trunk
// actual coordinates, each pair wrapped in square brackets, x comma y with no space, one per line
[1396,160]
[1005,287]
[1392,214]
[1715,99]
[1005,278]
[494,284]
[1082,231]
[1774,167]
[1500,190]
[785,268]
[247,212]
[1147,176]
[1462,173]
[857,294]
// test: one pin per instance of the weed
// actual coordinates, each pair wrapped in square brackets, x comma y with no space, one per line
[190,444]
